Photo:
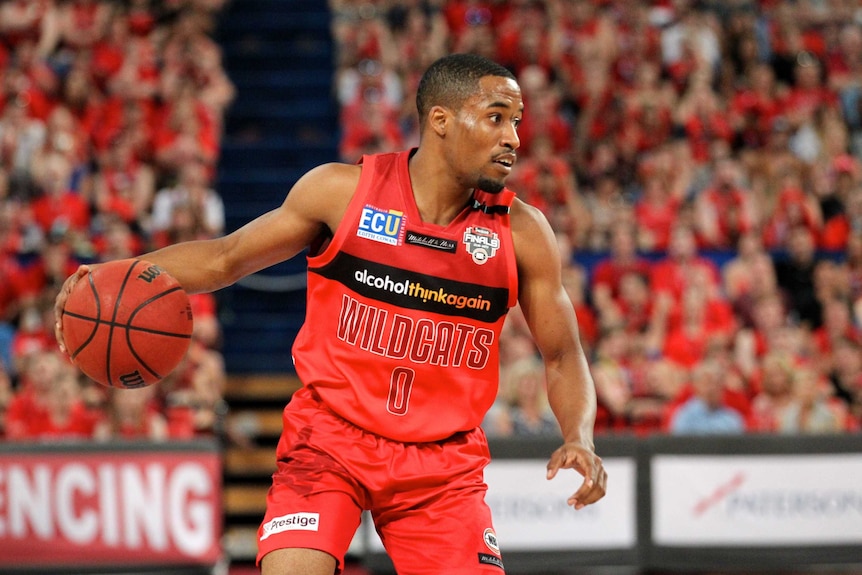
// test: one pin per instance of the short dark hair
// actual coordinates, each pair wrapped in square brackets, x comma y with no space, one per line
[452,79]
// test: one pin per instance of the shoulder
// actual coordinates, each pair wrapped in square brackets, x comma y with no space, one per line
[533,238]
[332,176]
[323,193]
[529,225]
[326,183]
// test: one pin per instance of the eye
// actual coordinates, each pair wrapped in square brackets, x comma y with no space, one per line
[495,118]
[516,122]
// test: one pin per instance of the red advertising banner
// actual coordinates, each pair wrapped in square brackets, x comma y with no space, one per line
[89,505]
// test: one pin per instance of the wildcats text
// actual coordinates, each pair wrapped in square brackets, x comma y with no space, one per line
[397,336]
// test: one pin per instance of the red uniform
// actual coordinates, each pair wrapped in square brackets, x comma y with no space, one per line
[399,359]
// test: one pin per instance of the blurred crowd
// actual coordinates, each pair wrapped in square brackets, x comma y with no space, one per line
[111,117]
[700,163]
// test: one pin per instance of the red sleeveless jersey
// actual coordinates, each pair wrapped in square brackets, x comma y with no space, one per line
[403,318]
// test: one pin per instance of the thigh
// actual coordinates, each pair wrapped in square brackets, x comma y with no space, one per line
[435,519]
[298,562]
[315,503]
[450,534]
[324,518]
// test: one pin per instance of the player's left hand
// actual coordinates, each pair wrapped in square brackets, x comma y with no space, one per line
[582,459]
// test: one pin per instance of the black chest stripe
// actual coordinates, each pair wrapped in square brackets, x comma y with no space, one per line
[412,290]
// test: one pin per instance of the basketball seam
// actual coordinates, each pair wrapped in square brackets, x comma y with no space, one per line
[127,326]
[92,283]
[132,315]
[114,322]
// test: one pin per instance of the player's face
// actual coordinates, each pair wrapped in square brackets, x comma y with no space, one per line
[485,134]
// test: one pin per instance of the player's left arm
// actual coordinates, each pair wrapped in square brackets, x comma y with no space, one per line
[551,318]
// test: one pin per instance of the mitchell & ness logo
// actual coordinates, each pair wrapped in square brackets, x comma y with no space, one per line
[432,242]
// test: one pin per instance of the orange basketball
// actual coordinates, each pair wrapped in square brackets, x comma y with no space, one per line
[127,324]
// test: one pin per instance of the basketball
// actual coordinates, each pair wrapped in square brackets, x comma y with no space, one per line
[127,324]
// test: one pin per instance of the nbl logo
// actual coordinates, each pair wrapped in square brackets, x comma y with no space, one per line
[481,243]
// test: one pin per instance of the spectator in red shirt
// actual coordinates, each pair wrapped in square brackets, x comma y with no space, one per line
[523,38]
[724,210]
[837,326]
[702,322]
[66,417]
[58,208]
[683,266]
[748,277]
[46,273]
[30,19]
[546,181]
[39,81]
[795,207]
[839,229]
[623,258]
[35,330]
[703,117]
[754,106]
[657,208]
[83,22]
[117,240]
[30,403]
[371,129]
[187,132]
[132,414]
[123,185]
[546,120]
[808,91]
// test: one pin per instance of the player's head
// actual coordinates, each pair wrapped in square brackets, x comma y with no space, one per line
[452,79]
[469,109]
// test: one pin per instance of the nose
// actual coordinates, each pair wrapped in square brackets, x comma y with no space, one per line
[510,137]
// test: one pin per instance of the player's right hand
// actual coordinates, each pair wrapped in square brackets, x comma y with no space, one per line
[60,302]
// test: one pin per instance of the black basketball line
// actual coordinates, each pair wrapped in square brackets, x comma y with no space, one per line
[92,285]
[113,323]
[128,327]
[141,306]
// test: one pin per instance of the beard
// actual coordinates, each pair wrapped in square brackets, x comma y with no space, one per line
[491,186]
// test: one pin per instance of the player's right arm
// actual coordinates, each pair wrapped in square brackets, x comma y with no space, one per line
[316,202]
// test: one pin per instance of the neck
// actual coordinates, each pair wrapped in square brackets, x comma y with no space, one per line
[439,196]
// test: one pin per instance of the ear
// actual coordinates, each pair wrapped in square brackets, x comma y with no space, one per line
[438,120]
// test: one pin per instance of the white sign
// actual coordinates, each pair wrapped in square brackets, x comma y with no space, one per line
[757,500]
[530,513]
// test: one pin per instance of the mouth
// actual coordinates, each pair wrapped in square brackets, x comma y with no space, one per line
[506,161]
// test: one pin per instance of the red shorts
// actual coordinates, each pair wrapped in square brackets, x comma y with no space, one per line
[427,499]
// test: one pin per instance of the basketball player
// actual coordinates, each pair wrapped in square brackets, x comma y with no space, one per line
[415,258]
